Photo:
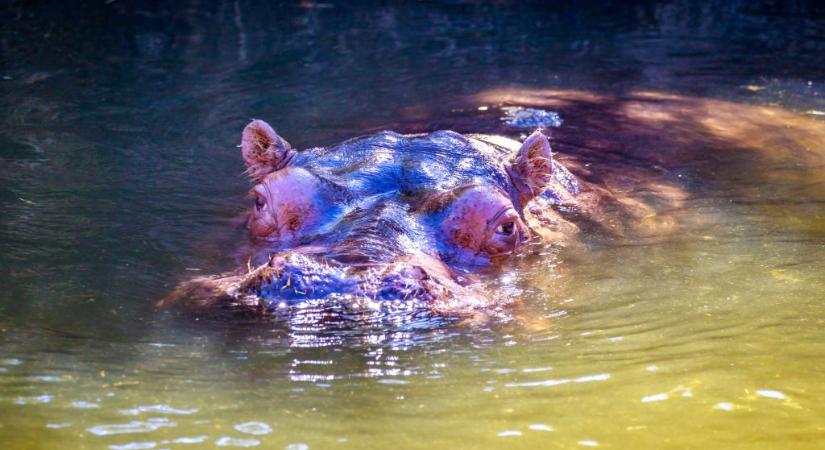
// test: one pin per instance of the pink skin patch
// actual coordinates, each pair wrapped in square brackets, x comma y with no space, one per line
[285,206]
[483,225]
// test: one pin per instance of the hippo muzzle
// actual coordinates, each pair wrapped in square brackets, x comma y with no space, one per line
[294,277]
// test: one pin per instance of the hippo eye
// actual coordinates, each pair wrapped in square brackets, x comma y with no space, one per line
[259,203]
[506,229]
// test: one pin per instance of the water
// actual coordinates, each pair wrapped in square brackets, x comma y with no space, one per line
[120,178]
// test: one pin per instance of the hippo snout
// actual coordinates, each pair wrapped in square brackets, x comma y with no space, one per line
[295,277]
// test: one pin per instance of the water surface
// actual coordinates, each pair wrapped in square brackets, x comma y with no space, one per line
[120,177]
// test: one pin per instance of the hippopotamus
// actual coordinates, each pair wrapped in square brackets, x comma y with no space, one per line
[400,218]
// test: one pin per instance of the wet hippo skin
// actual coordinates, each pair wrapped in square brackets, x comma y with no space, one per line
[396,218]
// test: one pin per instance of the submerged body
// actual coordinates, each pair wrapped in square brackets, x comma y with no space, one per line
[400,218]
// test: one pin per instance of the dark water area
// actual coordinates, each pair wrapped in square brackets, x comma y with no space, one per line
[120,177]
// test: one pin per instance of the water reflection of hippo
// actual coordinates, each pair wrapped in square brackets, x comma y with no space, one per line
[398,218]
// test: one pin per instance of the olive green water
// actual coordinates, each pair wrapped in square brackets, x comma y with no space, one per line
[119,178]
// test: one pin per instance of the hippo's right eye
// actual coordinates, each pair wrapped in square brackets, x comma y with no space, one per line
[289,204]
[506,229]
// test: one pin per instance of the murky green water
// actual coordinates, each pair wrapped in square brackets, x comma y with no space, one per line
[119,178]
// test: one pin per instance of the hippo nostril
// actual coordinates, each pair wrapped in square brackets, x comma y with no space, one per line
[404,283]
[294,277]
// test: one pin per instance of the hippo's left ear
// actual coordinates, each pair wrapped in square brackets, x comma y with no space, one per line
[263,150]
[532,167]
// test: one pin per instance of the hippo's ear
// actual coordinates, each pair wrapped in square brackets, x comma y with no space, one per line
[532,167]
[263,150]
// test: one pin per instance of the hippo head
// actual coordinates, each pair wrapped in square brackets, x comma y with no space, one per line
[387,216]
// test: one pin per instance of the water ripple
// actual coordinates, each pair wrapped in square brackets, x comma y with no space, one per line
[81,404]
[34,400]
[227,441]
[159,408]
[655,398]
[298,446]
[536,369]
[767,393]
[46,379]
[557,382]
[257,428]
[189,440]
[134,446]
[520,117]
[392,381]
[724,406]
[509,433]
[134,426]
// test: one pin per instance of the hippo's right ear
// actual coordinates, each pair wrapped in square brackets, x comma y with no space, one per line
[263,150]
